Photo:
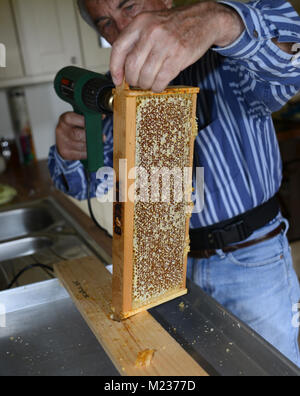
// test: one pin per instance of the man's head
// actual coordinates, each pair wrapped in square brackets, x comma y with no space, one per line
[110,17]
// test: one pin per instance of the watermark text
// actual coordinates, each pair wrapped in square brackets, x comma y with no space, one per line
[155,185]
[2,316]
[2,55]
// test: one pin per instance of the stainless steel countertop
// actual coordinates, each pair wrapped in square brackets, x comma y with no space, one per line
[46,335]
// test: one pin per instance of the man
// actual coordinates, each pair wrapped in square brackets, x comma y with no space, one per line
[243,57]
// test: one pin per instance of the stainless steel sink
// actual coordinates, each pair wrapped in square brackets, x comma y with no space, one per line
[41,232]
[24,221]
[23,247]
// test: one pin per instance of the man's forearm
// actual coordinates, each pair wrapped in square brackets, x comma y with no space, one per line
[231,25]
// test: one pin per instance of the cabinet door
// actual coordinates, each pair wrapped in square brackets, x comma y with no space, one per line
[8,37]
[94,57]
[48,34]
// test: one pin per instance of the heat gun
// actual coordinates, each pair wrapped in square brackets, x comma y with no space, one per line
[91,95]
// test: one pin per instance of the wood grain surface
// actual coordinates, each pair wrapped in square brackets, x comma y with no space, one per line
[90,285]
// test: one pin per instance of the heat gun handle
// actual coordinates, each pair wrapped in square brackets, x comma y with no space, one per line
[94,142]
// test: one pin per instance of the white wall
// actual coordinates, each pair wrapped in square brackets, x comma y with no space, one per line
[44,109]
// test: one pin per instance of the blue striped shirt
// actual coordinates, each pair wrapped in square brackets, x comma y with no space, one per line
[240,86]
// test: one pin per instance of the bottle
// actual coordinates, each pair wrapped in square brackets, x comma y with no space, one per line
[22,126]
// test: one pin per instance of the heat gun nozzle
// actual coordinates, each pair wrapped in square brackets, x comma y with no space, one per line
[107,101]
[97,95]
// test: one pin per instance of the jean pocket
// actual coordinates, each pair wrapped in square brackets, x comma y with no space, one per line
[262,254]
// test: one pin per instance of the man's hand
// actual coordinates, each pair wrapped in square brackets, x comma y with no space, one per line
[157,46]
[71,137]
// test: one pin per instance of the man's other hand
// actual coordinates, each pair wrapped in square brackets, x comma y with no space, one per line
[71,137]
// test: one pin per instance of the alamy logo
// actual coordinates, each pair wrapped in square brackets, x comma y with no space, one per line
[2,55]
[2,316]
[154,185]
[296,58]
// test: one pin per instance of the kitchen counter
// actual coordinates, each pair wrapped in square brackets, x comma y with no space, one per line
[33,182]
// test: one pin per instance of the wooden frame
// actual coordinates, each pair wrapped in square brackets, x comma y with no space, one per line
[125,223]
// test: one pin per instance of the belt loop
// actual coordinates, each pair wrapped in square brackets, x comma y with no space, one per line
[221,254]
[287,226]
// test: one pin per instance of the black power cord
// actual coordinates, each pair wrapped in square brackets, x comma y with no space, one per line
[45,267]
[88,178]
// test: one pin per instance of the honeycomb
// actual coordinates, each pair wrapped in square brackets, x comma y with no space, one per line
[165,126]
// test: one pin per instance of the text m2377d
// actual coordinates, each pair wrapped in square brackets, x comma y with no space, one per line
[2,55]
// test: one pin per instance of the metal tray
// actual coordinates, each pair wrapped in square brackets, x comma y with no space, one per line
[45,335]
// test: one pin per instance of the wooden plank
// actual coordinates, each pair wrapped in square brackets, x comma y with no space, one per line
[151,239]
[90,286]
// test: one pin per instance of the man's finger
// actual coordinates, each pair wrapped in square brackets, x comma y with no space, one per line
[133,65]
[76,146]
[79,135]
[77,155]
[121,48]
[168,72]
[151,68]
[73,119]
[136,59]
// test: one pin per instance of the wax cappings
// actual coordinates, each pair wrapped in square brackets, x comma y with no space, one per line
[165,128]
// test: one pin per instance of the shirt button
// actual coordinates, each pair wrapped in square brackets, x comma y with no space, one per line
[255,34]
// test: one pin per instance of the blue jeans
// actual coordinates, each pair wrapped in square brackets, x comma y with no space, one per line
[258,285]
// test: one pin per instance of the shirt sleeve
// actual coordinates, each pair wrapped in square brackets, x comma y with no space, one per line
[69,176]
[273,74]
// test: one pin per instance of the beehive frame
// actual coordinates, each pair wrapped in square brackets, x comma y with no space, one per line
[143,230]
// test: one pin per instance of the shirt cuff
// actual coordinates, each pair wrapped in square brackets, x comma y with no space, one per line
[253,38]
[64,165]
[73,175]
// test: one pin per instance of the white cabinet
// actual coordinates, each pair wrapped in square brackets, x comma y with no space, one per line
[94,57]
[48,35]
[43,36]
[8,37]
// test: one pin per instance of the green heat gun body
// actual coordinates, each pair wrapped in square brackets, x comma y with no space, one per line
[91,95]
